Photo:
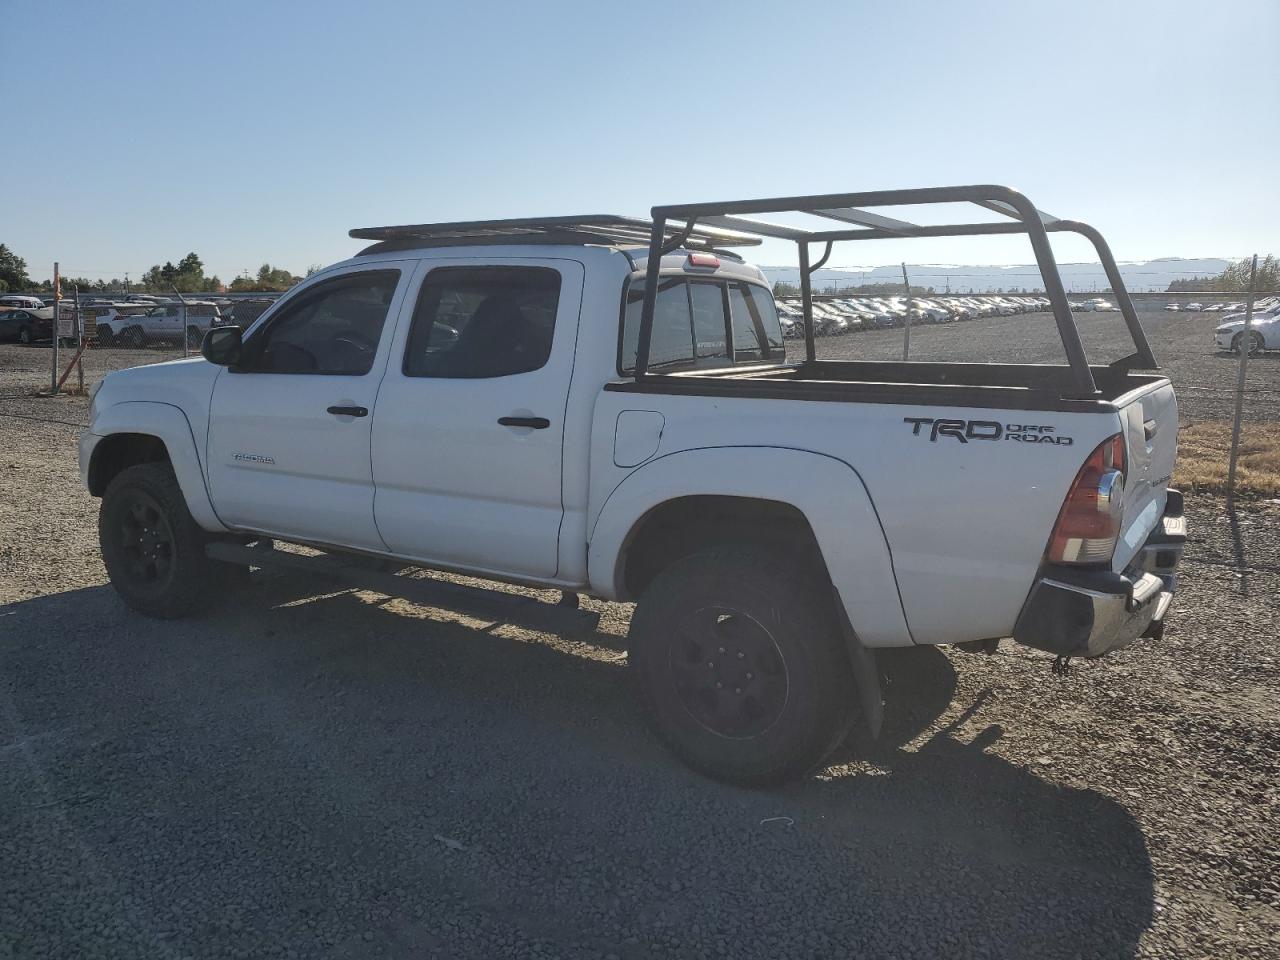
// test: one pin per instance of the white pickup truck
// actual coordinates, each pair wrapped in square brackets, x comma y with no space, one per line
[603,405]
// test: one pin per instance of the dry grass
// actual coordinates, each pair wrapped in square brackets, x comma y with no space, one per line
[1204,449]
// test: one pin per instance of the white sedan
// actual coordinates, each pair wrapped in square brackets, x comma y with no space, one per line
[1264,334]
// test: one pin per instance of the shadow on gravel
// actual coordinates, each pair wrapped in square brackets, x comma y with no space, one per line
[341,777]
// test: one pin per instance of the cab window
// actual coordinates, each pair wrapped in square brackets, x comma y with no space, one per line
[331,329]
[479,322]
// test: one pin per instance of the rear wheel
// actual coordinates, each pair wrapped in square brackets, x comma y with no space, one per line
[24,335]
[152,547]
[194,336]
[1255,343]
[742,666]
[134,337]
[105,337]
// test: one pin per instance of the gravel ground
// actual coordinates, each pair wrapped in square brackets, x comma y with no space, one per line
[338,774]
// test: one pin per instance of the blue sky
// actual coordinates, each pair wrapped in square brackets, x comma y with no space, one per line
[264,131]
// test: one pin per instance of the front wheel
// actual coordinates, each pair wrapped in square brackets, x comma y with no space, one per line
[152,547]
[1255,343]
[742,666]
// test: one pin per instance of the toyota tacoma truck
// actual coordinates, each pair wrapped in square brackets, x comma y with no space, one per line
[603,405]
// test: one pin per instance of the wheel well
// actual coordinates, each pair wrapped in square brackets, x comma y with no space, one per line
[121,450]
[677,528]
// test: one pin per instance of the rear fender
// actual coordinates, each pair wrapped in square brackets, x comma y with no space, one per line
[828,491]
[168,423]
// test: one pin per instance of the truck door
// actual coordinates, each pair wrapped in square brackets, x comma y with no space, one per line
[289,427]
[468,434]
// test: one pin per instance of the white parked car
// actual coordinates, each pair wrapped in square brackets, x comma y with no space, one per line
[456,400]
[164,323]
[1264,333]
[17,301]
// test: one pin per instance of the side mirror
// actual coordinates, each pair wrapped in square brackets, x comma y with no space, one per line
[222,345]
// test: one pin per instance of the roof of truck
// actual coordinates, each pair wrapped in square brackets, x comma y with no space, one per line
[595,228]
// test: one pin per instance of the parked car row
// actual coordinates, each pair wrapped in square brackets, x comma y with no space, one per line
[1204,307]
[136,320]
[1098,304]
[838,315]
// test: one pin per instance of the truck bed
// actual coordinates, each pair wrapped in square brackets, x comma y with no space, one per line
[996,385]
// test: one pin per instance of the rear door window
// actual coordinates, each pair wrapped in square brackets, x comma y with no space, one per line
[692,323]
[757,334]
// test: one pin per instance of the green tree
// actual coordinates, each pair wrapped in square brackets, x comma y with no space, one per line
[13,269]
[1234,279]
[269,279]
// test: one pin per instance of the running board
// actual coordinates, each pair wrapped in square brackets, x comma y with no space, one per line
[492,605]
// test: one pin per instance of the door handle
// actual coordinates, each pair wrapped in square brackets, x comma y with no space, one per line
[538,423]
[349,411]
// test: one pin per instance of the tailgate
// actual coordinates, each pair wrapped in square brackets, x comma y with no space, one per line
[1149,419]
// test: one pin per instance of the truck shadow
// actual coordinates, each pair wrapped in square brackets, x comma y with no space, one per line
[398,775]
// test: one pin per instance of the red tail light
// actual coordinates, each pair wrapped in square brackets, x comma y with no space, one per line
[1089,522]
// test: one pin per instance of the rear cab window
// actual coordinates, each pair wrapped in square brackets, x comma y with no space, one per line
[701,322]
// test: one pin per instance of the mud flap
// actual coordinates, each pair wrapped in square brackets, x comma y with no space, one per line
[866,675]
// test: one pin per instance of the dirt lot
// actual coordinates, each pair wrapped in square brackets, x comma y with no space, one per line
[300,773]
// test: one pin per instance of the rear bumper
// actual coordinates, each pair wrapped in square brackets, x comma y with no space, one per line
[1089,613]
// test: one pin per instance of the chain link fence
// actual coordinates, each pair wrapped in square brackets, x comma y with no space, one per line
[115,334]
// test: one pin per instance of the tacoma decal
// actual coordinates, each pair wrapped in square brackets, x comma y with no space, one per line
[252,458]
[966,430]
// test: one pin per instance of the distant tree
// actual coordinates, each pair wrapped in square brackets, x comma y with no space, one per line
[1234,279]
[13,269]
[186,276]
[4,286]
[314,269]
[269,279]
[780,289]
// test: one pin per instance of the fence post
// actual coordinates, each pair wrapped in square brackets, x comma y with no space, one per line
[53,369]
[79,329]
[906,326]
[1244,365]
[183,301]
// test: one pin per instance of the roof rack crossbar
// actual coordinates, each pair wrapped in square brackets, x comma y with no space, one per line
[760,227]
[589,228]
[1008,209]
[864,218]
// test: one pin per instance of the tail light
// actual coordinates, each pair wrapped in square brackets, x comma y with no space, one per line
[1089,522]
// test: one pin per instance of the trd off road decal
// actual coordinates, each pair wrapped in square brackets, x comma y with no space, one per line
[966,430]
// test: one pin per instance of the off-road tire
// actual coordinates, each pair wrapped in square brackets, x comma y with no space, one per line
[133,337]
[106,338]
[24,336]
[738,593]
[164,574]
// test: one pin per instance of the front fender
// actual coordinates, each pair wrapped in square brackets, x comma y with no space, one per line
[169,424]
[829,492]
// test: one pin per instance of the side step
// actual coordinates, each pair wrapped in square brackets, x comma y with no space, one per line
[493,605]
